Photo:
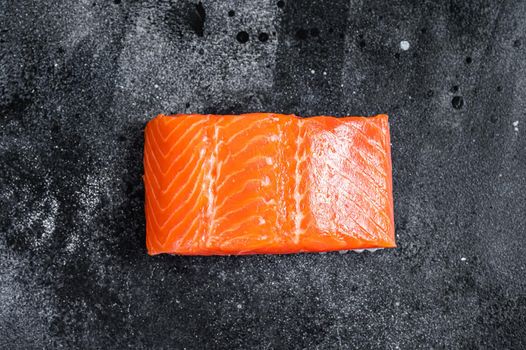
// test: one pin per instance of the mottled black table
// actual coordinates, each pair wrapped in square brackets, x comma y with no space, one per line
[79,80]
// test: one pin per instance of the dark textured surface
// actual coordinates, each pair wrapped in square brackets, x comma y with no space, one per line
[79,80]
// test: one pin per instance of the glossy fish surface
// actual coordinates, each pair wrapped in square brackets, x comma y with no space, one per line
[265,183]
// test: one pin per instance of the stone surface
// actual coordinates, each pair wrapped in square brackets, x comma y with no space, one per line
[79,80]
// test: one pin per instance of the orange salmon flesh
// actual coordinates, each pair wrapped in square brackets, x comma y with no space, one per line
[266,183]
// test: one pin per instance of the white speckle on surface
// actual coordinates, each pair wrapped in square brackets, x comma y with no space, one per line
[239,306]
[324,73]
[404,45]
[261,221]
[265,181]
[156,86]
[397,303]
[516,125]
[463,259]
[89,197]
[73,243]
[49,222]
[312,71]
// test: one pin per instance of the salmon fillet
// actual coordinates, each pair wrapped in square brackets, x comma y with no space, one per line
[267,183]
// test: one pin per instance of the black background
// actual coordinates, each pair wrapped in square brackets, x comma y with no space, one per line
[79,80]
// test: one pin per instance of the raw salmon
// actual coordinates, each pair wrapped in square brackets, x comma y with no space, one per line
[267,183]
